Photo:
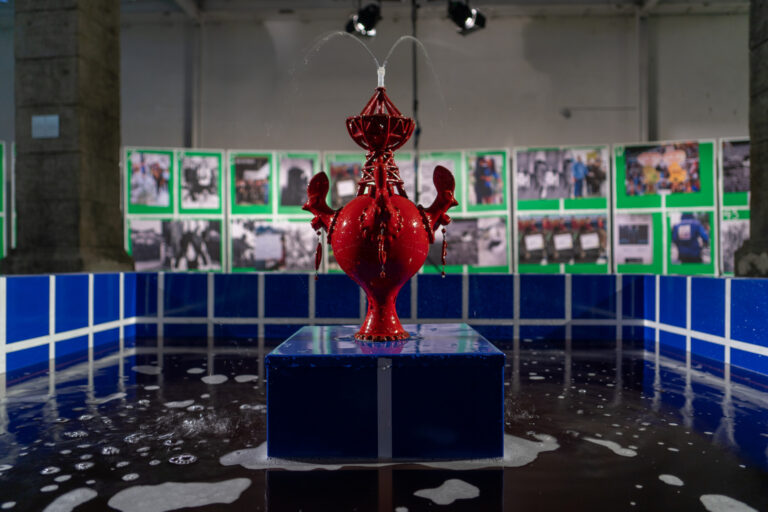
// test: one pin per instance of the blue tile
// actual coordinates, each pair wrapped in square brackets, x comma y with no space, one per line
[542,332]
[106,337]
[105,349]
[634,333]
[185,330]
[491,296]
[129,331]
[649,292]
[439,297]
[26,358]
[749,361]
[632,296]
[593,296]
[707,349]
[106,298]
[236,331]
[236,295]
[185,295]
[749,311]
[146,295]
[542,296]
[672,297]
[649,344]
[594,333]
[70,352]
[672,340]
[129,295]
[708,305]
[26,307]
[336,296]
[496,333]
[146,330]
[71,302]
[281,331]
[403,302]
[286,295]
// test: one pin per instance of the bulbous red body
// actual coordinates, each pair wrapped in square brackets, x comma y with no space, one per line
[381,239]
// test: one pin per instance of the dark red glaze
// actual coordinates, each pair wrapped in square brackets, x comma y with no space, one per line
[380,238]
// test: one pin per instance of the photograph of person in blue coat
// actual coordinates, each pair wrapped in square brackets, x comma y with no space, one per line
[690,237]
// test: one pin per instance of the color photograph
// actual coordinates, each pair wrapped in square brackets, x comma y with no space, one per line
[634,238]
[260,245]
[689,238]
[427,191]
[200,182]
[150,178]
[562,239]
[735,155]
[662,169]
[344,177]
[486,179]
[251,180]
[562,173]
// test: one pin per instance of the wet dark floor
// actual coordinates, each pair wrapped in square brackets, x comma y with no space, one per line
[588,429]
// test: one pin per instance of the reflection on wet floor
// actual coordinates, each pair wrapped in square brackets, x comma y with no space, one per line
[173,427]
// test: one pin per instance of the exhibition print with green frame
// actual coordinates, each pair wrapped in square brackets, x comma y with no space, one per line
[149,180]
[200,177]
[251,182]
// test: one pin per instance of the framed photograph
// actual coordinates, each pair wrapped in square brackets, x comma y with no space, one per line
[486,180]
[638,243]
[2,177]
[690,237]
[405,164]
[670,174]
[734,166]
[427,164]
[258,245]
[479,243]
[250,182]
[344,171]
[175,245]
[578,242]
[149,180]
[294,172]
[199,181]
[734,231]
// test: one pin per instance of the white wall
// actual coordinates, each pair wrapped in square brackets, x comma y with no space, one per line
[501,86]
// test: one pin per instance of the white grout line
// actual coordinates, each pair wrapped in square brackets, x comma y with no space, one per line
[311,299]
[568,305]
[51,332]
[121,313]
[464,297]
[90,310]
[516,306]
[688,321]
[210,305]
[66,335]
[260,297]
[414,298]
[657,311]
[727,354]
[160,308]
[2,324]
[619,307]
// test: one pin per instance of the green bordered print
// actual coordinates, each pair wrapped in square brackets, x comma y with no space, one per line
[530,187]
[487,181]
[405,164]
[638,250]
[156,246]
[2,177]
[734,171]
[344,170]
[264,245]
[490,235]
[149,180]
[294,170]
[251,178]
[588,237]
[199,174]
[646,159]
[2,237]
[734,231]
[451,160]
[704,219]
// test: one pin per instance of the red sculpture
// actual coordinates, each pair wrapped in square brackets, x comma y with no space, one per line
[380,238]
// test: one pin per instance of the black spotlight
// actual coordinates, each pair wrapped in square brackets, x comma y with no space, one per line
[465,17]
[364,22]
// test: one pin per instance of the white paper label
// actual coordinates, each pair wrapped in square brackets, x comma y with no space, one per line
[45,127]
[345,188]
[563,241]
[534,242]
[589,241]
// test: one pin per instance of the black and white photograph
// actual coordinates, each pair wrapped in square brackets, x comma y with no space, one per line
[735,165]
[427,191]
[294,177]
[252,175]
[690,237]
[200,182]
[176,245]
[562,239]
[733,233]
[344,177]
[408,175]
[478,242]
[634,238]
[261,245]
[150,178]
[542,175]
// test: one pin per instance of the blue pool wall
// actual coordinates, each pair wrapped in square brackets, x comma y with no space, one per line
[58,319]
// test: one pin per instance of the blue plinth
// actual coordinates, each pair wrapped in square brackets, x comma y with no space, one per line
[438,395]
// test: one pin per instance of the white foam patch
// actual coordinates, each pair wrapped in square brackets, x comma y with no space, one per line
[195,371]
[536,377]
[451,490]
[517,452]
[175,495]
[152,388]
[147,369]
[113,396]
[180,404]
[246,378]
[215,379]
[721,503]
[614,447]
[401,509]
[671,480]
[67,502]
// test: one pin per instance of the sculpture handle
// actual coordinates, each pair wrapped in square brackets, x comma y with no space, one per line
[445,185]
[317,191]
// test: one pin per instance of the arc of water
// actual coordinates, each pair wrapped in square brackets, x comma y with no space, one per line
[332,35]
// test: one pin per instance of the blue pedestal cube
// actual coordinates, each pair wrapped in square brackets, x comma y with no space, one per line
[437,395]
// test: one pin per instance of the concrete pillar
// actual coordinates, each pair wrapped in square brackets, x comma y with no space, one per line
[752,257]
[67,180]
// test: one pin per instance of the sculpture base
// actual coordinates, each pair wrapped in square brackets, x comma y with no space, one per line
[437,395]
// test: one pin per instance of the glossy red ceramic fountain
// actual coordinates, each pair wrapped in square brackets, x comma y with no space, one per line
[381,238]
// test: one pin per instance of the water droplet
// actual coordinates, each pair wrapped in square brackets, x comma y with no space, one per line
[110,450]
[122,464]
[194,408]
[183,459]
[8,505]
[85,417]
[130,477]
[5,467]
[154,462]
[82,466]
[62,478]
[50,470]
[75,434]
[49,488]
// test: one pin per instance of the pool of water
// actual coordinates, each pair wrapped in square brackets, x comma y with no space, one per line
[588,429]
